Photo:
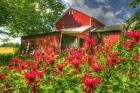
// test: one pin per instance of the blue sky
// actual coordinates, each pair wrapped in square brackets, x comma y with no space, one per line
[110,12]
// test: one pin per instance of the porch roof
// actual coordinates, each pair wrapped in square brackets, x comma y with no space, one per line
[75,30]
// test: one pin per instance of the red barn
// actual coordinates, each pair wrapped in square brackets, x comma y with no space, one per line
[108,34]
[71,29]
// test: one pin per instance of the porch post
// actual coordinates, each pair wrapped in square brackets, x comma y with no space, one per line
[60,44]
[78,42]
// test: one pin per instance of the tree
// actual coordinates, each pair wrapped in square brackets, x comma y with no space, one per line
[134,21]
[24,17]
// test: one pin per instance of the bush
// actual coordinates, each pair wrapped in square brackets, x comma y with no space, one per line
[17,45]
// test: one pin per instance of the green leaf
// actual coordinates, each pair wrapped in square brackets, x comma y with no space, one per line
[69,91]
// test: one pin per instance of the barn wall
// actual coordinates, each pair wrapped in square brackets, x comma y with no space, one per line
[42,42]
[113,37]
[95,38]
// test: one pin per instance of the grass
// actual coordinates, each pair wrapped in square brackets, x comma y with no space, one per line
[6,54]
[7,50]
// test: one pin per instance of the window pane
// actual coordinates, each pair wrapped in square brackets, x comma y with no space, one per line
[106,35]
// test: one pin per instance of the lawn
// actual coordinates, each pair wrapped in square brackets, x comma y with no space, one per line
[6,53]
[7,50]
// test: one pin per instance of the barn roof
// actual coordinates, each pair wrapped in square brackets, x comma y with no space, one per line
[42,34]
[83,11]
[75,30]
[121,27]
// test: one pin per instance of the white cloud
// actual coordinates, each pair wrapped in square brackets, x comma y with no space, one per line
[70,2]
[108,18]
[74,2]
[109,15]
[101,1]
[118,12]
[128,15]
[98,11]
[107,6]
[80,2]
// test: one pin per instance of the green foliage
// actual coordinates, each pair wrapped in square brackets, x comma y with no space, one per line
[134,21]
[23,17]
[134,3]
[17,45]
[4,59]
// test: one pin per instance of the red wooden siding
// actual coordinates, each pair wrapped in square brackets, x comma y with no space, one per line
[44,42]
[95,38]
[113,37]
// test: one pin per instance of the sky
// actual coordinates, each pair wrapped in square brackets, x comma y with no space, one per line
[110,12]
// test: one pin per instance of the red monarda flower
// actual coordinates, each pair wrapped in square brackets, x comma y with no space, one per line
[89,41]
[10,66]
[97,80]
[68,58]
[90,59]
[90,83]
[27,63]
[77,55]
[2,76]
[106,49]
[60,66]
[15,59]
[113,55]
[51,60]
[136,57]
[96,67]
[38,56]
[6,88]
[76,71]
[55,73]
[30,77]
[76,63]
[19,67]
[34,89]
[128,45]
[45,68]
[121,60]
[138,33]
[131,34]
[40,74]
[109,62]
[35,66]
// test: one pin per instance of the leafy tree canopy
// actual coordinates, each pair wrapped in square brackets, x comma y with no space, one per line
[24,17]
[134,21]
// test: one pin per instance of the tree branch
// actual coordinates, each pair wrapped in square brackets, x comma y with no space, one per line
[3,32]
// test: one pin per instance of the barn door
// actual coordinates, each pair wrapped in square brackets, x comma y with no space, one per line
[68,41]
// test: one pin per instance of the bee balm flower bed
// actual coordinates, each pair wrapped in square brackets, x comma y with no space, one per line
[91,69]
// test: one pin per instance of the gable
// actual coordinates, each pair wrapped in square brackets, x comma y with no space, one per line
[71,19]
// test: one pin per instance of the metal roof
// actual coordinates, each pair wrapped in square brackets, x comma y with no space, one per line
[121,27]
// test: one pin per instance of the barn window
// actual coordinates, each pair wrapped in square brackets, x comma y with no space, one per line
[70,12]
[106,35]
[68,41]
